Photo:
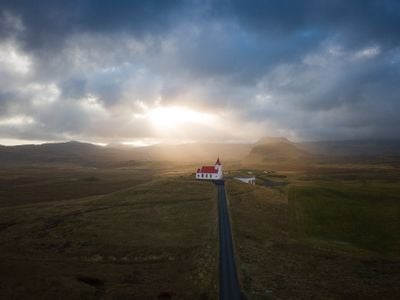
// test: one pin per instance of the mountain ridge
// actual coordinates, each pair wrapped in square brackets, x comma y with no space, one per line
[266,149]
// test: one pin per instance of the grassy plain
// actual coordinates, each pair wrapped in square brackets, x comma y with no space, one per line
[360,214]
[149,231]
[134,234]
[331,233]
[32,185]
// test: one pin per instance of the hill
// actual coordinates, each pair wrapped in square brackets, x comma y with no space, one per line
[198,152]
[376,147]
[279,150]
[275,150]
[266,150]
[85,154]
[74,153]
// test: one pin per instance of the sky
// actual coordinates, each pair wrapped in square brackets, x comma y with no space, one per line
[142,72]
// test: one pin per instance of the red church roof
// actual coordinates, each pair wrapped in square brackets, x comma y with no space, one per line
[207,169]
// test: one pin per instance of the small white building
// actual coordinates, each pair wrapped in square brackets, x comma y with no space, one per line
[210,172]
[249,180]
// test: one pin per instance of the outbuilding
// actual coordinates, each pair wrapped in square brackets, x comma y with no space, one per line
[248,180]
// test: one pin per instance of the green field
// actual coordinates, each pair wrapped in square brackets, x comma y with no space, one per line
[331,233]
[364,215]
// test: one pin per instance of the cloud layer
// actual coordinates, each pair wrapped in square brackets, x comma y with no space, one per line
[92,70]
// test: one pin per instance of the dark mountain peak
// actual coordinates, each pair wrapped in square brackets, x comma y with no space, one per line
[70,145]
[76,143]
[365,147]
[73,143]
[275,150]
[273,140]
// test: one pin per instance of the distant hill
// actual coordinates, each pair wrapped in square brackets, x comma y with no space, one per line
[85,154]
[275,150]
[266,150]
[74,153]
[198,152]
[366,148]
[278,150]
[273,140]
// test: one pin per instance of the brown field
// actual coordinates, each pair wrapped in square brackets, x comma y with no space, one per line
[150,232]
[152,240]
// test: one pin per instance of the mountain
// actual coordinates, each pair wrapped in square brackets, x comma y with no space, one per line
[273,140]
[85,154]
[198,152]
[278,150]
[74,153]
[367,148]
[275,150]
[266,150]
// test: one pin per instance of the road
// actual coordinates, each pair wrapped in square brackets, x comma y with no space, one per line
[229,288]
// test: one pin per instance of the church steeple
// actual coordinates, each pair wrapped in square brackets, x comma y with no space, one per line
[218,162]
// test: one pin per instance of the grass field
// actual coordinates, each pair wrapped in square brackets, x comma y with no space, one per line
[332,233]
[31,185]
[364,215]
[150,232]
[155,240]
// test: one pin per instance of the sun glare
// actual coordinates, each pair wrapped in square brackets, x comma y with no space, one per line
[174,116]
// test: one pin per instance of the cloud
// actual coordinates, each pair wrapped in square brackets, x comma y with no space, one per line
[309,70]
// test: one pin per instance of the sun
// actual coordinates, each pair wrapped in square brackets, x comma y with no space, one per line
[174,117]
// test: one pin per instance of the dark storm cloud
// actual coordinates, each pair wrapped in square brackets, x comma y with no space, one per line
[49,22]
[310,69]
[362,20]
[74,87]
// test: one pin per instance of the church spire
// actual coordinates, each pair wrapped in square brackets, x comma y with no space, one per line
[218,162]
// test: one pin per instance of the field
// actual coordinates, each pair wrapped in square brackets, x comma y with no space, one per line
[362,215]
[139,240]
[149,231]
[331,233]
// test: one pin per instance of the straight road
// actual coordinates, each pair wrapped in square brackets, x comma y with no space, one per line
[229,288]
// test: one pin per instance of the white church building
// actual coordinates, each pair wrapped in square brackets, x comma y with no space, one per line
[210,172]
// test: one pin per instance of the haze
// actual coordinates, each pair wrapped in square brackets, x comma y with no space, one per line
[142,72]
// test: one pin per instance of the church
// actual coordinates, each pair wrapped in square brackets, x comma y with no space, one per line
[210,172]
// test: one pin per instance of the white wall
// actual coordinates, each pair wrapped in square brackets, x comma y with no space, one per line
[249,180]
[208,176]
[211,176]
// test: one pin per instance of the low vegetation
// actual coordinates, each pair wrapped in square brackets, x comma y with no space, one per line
[154,240]
[332,233]
[146,230]
[364,215]
[32,185]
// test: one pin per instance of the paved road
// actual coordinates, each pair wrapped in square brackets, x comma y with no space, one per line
[229,288]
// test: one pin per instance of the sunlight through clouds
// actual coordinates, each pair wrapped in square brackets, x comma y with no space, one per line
[17,121]
[181,72]
[166,118]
